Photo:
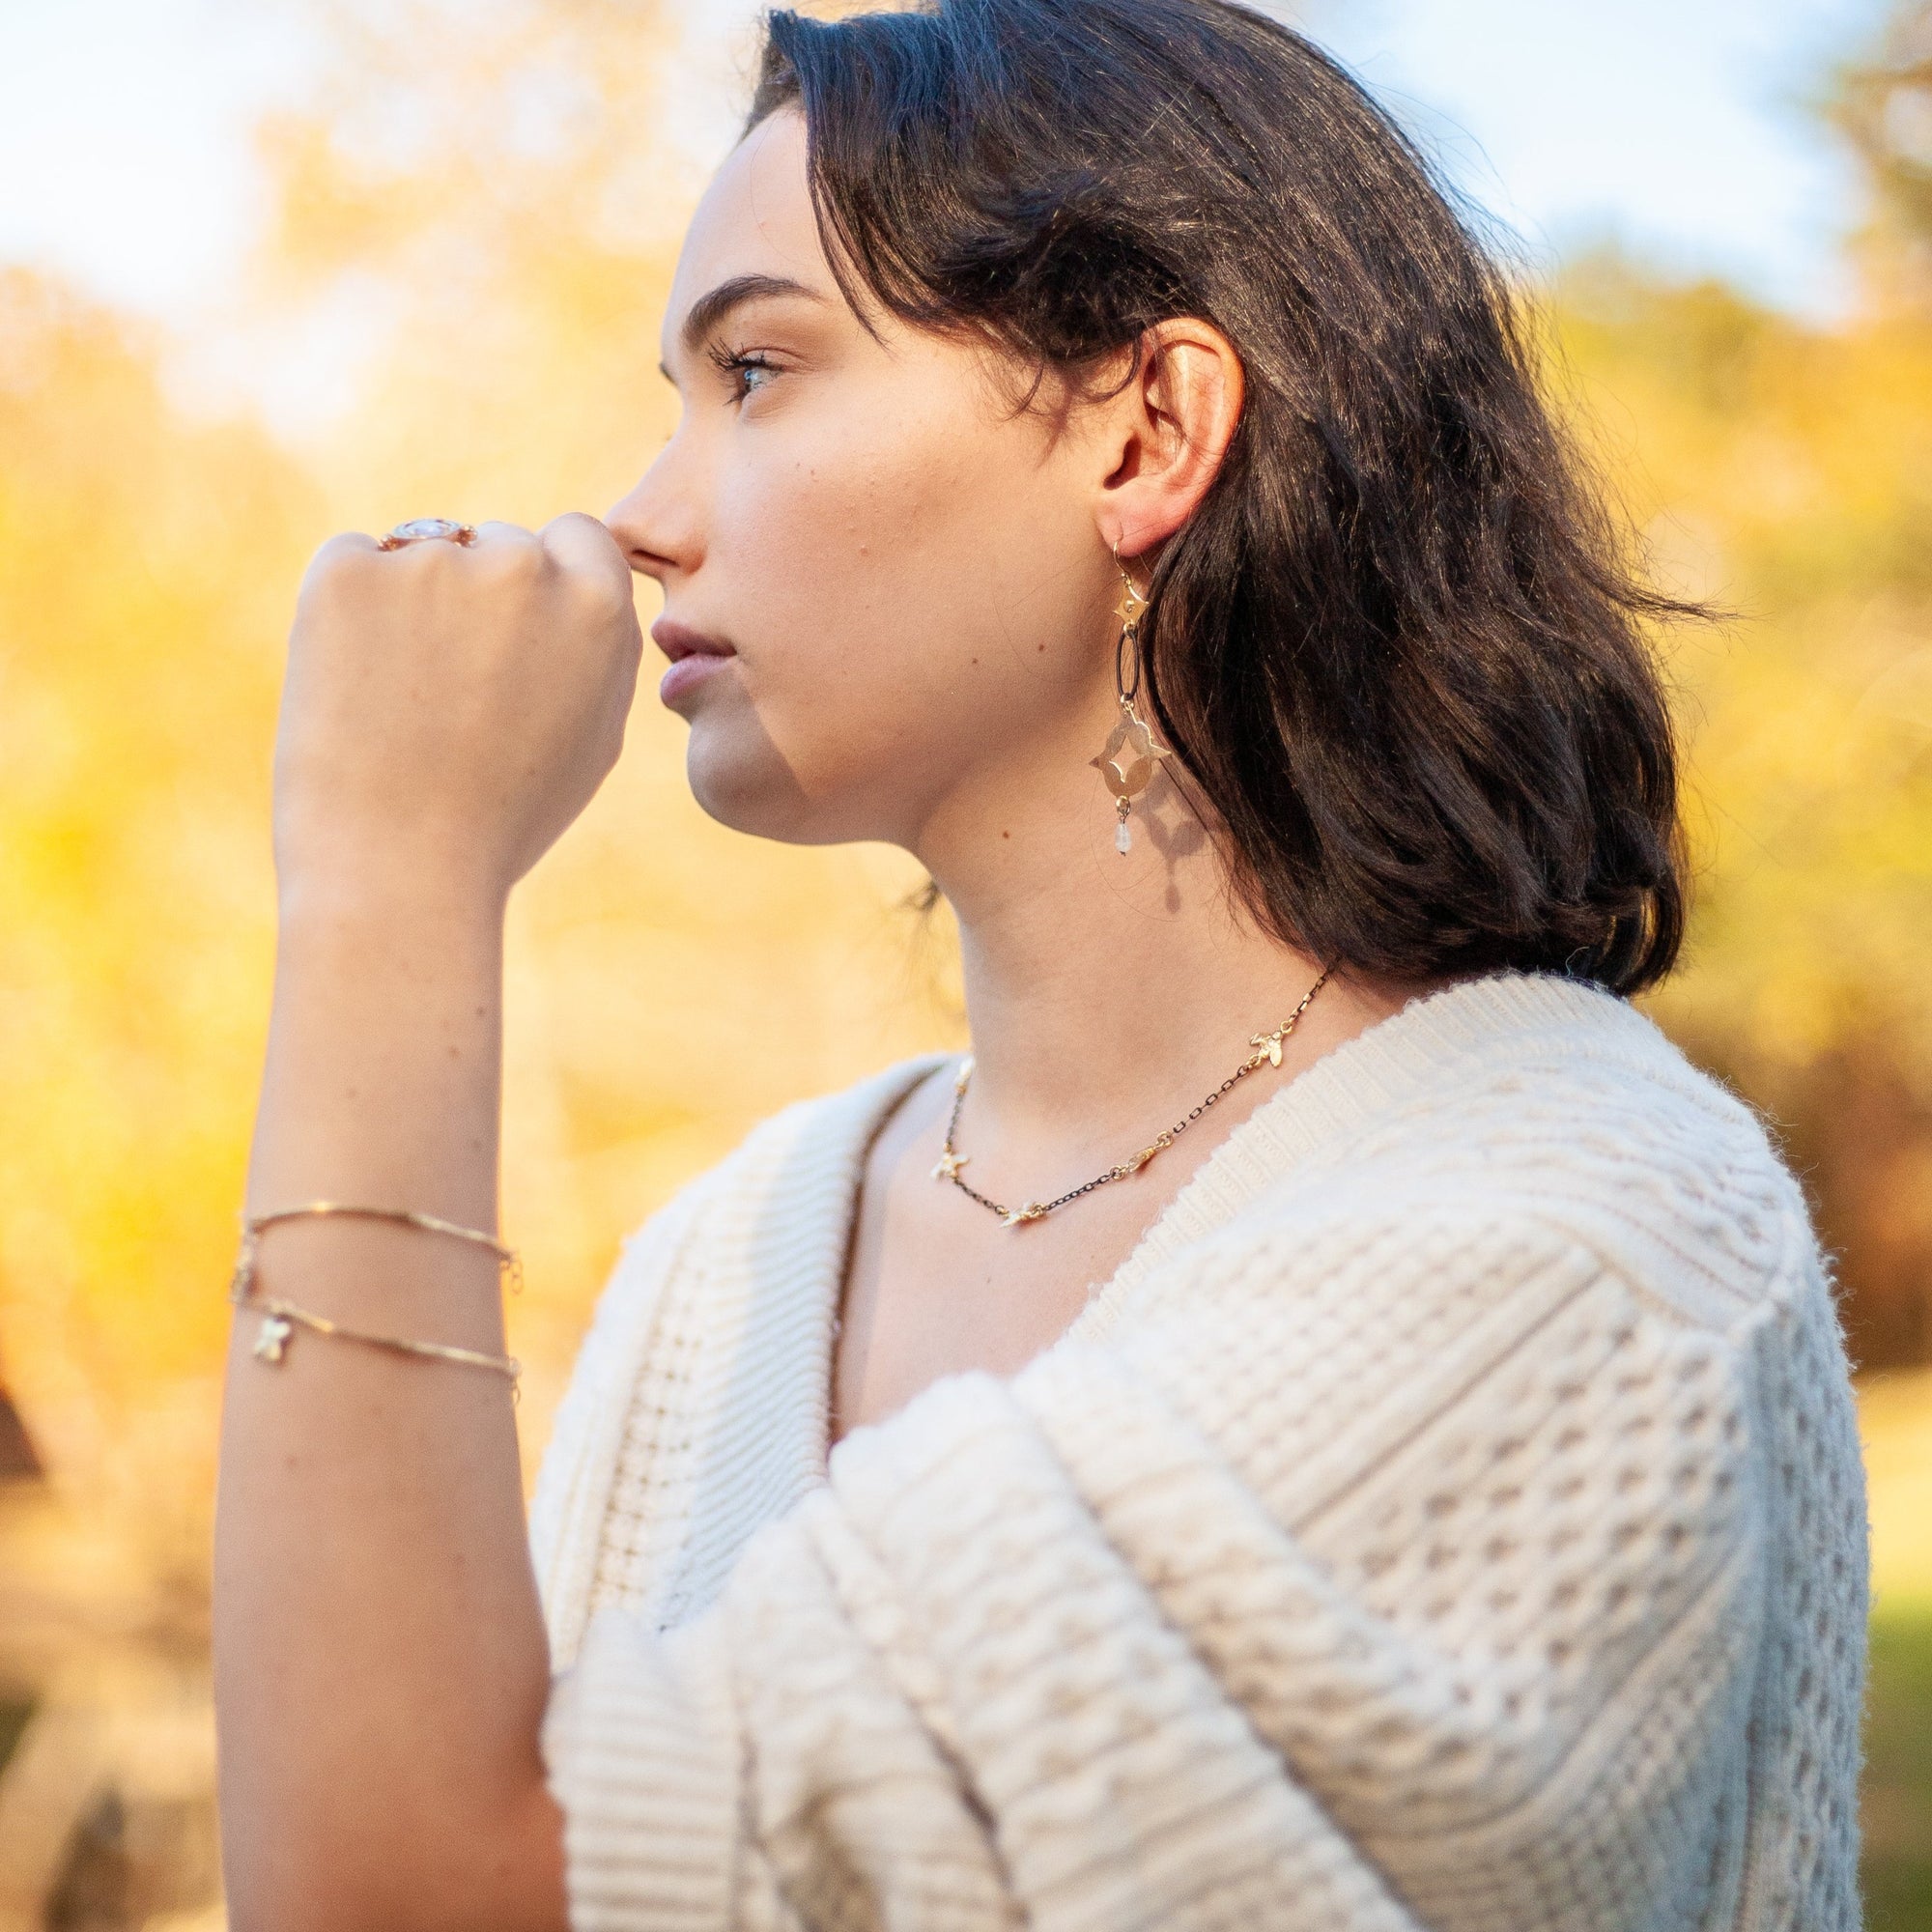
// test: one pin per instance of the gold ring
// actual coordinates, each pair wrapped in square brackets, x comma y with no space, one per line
[426,530]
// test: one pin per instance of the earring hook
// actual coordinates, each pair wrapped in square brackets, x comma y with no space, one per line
[1136,601]
[1129,641]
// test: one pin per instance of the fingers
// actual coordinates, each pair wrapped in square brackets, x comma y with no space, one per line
[502,535]
[347,543]
[575,540]
[582,544]
[347,550]
[576,544]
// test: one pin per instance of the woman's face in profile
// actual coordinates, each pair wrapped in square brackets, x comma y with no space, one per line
[905,571]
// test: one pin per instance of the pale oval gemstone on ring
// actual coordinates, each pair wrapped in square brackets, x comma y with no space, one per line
[421,530]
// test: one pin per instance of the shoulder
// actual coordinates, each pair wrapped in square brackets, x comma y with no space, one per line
[1525,1113]
[1526,1239]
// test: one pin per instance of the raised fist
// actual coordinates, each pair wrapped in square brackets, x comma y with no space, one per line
[450,709]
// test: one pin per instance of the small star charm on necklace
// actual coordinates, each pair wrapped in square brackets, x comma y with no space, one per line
[948,1164]
[1011,1217]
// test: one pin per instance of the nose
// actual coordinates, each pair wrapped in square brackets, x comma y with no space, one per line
[655,523]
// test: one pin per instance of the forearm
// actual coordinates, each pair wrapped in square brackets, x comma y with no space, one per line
[380,1662]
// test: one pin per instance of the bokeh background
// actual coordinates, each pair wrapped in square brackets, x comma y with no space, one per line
[267,271]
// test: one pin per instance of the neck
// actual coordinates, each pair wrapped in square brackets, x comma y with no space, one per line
[1109,994]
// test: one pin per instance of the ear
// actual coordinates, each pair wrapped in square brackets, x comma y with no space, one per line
[1168,432]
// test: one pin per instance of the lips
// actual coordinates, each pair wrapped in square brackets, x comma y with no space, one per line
[678,642]
[695,658]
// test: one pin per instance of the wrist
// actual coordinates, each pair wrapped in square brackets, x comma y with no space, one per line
[393,899]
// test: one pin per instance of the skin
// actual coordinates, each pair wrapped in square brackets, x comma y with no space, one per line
[917,588]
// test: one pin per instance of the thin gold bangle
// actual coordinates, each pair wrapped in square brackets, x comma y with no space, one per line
[271,1339]
[508,1259]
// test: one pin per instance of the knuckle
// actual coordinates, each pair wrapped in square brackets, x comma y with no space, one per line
[438,560]
[342,559]
[511,559]
[600,592]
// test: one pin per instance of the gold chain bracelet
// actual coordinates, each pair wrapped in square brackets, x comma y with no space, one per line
[280,1319]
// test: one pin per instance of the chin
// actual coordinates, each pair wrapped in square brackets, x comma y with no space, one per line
[847,792]
[740,778]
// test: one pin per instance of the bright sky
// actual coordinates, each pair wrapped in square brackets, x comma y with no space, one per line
[1679,124]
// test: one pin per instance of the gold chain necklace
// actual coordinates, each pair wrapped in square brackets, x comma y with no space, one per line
[1266,1051]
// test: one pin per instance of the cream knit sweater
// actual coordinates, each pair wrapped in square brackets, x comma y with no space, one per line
[1450,1516]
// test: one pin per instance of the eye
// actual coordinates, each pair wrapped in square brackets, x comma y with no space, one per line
[748,370]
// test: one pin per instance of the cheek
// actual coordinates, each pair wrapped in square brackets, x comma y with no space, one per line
[843,532]
[893,564]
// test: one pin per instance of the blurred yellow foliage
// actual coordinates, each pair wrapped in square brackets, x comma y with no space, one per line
[1782,472]
[1895,1425]
[143,570]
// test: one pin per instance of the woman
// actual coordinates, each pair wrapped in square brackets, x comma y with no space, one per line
[1325,1419]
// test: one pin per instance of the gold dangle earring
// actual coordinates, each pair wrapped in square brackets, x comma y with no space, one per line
[1131,757]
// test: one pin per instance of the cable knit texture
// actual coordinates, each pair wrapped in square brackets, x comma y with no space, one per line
[1450,1516]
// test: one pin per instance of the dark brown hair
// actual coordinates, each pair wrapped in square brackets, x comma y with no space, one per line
[1397,646]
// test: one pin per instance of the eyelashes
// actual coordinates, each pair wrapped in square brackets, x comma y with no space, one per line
[740,366]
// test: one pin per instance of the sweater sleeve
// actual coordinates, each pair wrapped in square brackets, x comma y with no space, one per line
[1360,1582]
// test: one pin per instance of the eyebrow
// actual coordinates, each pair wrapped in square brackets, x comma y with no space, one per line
[712,307]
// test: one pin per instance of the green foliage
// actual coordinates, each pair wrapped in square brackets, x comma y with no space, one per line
[1897,1807]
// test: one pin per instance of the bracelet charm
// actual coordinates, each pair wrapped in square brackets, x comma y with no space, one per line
[273,1337]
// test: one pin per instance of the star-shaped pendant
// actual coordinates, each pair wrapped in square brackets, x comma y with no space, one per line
[1131,757]
[273,1337]
[1012,1217]
[946,1167]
